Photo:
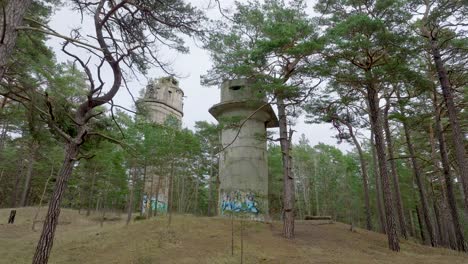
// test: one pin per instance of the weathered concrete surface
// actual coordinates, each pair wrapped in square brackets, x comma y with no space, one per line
[243,167]
[163,99]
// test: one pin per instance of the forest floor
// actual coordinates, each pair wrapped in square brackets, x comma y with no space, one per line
[191,239]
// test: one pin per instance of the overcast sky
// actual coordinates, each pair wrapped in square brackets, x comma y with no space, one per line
[198,99]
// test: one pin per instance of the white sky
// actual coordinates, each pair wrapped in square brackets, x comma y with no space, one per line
[198,99]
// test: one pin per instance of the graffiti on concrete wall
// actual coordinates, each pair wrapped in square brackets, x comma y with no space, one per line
[239,201]
[161,204]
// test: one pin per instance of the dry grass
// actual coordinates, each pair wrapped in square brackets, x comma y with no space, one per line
[205,240]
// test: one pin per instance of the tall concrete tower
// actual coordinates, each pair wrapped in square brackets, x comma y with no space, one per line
[163,99]
[243,167]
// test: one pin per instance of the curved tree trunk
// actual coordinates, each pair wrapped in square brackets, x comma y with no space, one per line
[457,134]
[393,169]
[448,179]
[376,124]
[11,16]
[46,239]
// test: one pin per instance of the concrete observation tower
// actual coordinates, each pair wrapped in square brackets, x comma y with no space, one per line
[243,167]
[163,99]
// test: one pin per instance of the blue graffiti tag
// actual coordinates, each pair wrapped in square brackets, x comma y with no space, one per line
[238,201]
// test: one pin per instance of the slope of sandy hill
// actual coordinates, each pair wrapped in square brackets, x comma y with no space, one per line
[205,240]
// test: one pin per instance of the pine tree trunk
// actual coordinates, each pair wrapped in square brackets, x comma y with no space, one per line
[421,227]
[376,124]
[421,187]
[27,181]
[11,16]
[218,183]
[378,188]
[457,134]
[365,178]
[393,170]
[438,224]
[457,227]
[288,181]
[46,239]
[448,223]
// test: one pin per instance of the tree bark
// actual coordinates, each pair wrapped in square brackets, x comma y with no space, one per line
[46,239]
[11,16]
[218,183]
[421,227]
[378,188]
[365,178]
[457,134]
[421,187]
[438,224]
[376,124]
[448,179]
[288,180]
[393,170]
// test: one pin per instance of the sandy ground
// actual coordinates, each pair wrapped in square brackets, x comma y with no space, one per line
[205,240]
